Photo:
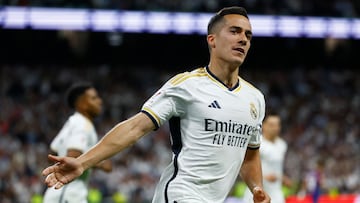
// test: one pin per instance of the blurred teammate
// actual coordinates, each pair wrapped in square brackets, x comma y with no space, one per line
[272,152]
[76,137]
[215,120]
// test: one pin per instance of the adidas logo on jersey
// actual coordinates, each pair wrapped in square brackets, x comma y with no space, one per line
[214,104]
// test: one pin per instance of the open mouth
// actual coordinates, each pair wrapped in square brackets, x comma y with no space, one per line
[241,50]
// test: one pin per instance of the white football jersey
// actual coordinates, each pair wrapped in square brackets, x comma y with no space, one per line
[211,127]
[272,160]
[77,133]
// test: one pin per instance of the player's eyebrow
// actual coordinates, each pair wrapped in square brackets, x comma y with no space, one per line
[241,28]
[238,28]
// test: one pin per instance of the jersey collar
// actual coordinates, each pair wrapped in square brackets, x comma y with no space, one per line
[217,80]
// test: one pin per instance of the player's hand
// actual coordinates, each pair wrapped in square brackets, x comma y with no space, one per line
[260,196]
[62,172]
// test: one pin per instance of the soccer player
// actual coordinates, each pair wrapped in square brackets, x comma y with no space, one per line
[215,120]
[272,153]
[76,137]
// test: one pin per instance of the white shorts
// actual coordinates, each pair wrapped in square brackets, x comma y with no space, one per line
[74,192]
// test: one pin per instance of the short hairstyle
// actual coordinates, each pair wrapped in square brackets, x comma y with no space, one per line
[75,91]
[219,16]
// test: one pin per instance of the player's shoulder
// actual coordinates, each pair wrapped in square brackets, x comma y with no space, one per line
[184,77]
[76,117]
[79,120]
[282,141]
[250,87]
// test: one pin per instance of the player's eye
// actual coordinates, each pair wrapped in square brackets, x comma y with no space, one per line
[248,35]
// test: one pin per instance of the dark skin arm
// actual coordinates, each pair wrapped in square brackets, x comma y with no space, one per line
[73,153]
[252,175]
[287,181]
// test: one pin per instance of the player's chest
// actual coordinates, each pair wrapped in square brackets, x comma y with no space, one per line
[224,105]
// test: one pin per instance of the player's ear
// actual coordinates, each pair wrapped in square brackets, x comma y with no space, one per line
[211,40]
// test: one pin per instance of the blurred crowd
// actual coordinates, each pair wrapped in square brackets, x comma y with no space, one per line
[341,8]
[319,109]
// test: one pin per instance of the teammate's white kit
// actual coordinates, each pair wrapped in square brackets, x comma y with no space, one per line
[272,160]
[78,133]
[211,128]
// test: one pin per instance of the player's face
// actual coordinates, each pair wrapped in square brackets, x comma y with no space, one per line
[232,42]
[93,102]
[272,126]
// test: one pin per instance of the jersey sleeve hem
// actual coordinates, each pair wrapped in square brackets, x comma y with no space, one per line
[152,116]
[254,147]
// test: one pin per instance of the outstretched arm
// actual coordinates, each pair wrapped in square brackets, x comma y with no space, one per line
[252,175]
[105,165]
[117,139]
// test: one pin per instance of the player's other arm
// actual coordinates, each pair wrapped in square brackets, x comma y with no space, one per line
[286,180]
[120,137]
[252,175]
[251,169]
[105,165]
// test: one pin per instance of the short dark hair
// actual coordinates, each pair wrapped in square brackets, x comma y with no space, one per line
[218,17]
[75,91]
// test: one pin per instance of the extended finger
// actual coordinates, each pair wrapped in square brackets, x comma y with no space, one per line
[49,170]
[58,185]
[50,180]
[54,158]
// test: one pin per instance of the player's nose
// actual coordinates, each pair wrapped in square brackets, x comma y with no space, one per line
[242,38]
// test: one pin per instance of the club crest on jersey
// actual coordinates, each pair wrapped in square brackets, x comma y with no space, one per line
[253,111]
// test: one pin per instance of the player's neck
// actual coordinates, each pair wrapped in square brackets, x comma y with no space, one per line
[226,72]
[86,115]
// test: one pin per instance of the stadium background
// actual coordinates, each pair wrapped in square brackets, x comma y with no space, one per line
[313,83]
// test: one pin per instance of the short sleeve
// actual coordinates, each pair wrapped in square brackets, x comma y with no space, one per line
[55,144]
[255,138]
[167,102]
[57,141]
